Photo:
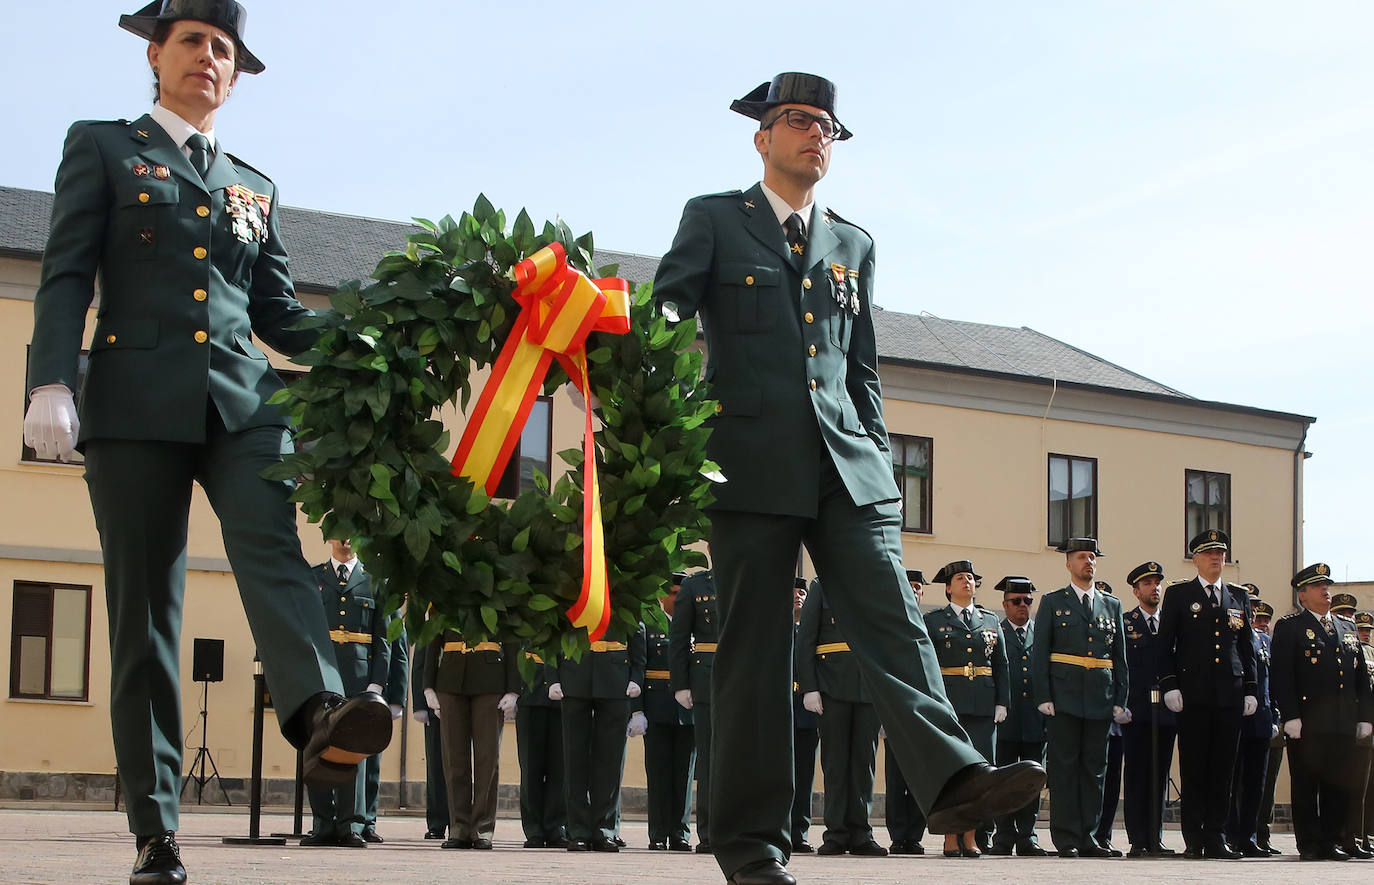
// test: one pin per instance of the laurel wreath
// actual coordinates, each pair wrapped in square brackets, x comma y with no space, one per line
[396,351]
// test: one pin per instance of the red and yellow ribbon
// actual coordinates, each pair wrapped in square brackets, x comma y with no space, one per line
[559,307]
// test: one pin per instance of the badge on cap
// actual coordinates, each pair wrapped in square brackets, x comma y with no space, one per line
[141,169]
[1321,568]
[162,172]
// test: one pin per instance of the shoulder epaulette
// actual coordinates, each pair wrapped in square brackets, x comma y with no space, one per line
[730,193]
[1290,615]
[835,216]
[1344,617]
[242,165]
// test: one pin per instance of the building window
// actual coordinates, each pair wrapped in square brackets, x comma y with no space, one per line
[29,454]
[911,467]
[50,641]
[1072,498]
[533,452]
[1207,504]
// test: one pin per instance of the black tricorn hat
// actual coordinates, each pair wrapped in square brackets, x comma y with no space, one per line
[227,15]
[799,583]
[1145,570]
[947,572]
[1015,584]
[1073,545]
[791,88]
[915,576]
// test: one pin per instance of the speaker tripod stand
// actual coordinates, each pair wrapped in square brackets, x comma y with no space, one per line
[203,757]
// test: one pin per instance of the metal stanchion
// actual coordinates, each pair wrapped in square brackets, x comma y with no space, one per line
[255,795]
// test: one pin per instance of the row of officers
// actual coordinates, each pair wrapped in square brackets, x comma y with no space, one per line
[1099,695]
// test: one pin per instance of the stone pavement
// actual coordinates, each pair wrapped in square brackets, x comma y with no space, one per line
[86,846]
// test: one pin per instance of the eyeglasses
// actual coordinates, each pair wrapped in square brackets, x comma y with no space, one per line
[802,121]
[1019,600]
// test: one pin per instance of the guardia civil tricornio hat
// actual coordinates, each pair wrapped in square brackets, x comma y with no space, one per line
[1073,545]
[791,88]
[227,15]
[947,572]
[1145,570]
[1317,573]
[1015,584]
[915,576]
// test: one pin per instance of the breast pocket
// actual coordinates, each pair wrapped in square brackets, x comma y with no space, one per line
[144,208]
[367,611]
[751,293]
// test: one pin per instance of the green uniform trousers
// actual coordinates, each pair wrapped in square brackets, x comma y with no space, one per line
[539,742]
[593,760]
[1076,770]
[701,733]
[669,754]
[849,758]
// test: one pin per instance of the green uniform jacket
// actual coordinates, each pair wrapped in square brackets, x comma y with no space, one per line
[127,203]
[536,693]
[356,607]
[399,674]
[1062,627]
[983,646]
[695,620]
[832,673]
[786,356]
[1024,722]
[656,701]
[605,674]
[472,672]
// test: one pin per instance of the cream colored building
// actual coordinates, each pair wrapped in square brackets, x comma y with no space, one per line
[1008,440]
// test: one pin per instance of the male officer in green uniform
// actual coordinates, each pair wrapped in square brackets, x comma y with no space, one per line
[784,288]
[1022,735]
[395,697]
[669,742]
[596,693]
[473,687]
[352,606]
[539,742]
[906,824]
[191,265]
[1079,674]
[436,797]
[833,688]
[691,652]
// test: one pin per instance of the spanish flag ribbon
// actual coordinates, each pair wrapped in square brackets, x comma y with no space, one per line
[559,307]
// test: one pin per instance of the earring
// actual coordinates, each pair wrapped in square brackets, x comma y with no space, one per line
[155,72]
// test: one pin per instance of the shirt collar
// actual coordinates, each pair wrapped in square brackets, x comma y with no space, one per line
[178,128]
[350,565]
[782,209]
[1090,592]
[958,611]
[1220,583]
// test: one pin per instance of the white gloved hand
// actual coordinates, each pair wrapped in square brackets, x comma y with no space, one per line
[374,688]
[397,711]
[1251,705]
[556,691]
[1293,729]
[421,716]
[1363,730]
[1173,699]
[51,425]
[812,701]
[1121,716]
[683,698]
[507,703]
[999,714]
[638,725]
[632,690]
[432,700]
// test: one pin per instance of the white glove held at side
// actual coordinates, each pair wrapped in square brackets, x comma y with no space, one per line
[51,425]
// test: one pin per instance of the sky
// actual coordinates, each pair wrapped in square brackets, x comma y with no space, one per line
[1182,188]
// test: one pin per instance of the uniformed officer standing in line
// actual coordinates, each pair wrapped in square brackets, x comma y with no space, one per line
[833,688]
[596,693]
[473,687]
[1357,823]
[1148,738]
[1079,674]
[436,797]
[806,740]
[906,823]
[669,743]
[1322,693]
[1207,662]
[539,742]
[973,663]
[1261,613]
[395,697]
[353,610]
[784,288]
[692,639]
[1022,735]
[1252,753]
[1111,781]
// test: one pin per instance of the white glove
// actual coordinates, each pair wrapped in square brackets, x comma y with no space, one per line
[556,691]
[50,424]
[1047,708]
[1363,730]
[999,714]
[1173,699]
[421,716]
[1251,705]
[1293,728]
[632,690]
[812,701]
[1121,716]
[507,703]
[638,725]
[397,711]
[683,698]
[1273,732]
[432,700]
[374,688]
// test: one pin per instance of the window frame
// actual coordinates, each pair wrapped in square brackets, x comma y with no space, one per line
[510,477]
[15,668]
[1093,527]
[1225,509]
[898,442]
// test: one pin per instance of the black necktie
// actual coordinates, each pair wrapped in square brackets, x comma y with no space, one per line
[1087,606]
[200,154]
[968,619]
[1021,634]
[1154,628]
[1330,627]
[796,237]
[1212,591]
[343,574]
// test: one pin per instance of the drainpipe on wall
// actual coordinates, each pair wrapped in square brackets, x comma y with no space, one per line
[1299,455]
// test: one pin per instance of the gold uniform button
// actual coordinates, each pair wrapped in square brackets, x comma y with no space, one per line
[749,280]
[199,252]
[201,337]
[809,317]
[200,294]
[203,211]
[110,339]
[143,197]
[813,383]
[811,350]
[719,408]
[806,282]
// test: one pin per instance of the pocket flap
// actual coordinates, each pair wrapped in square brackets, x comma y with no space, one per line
[146,191]
[133,334]
[737,402]
[744,273]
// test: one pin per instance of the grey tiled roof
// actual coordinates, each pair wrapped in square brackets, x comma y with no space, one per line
[327,248]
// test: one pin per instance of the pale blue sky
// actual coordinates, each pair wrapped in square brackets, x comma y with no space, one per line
[1183,188]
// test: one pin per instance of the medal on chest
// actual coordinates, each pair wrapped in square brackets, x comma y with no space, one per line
[247,213]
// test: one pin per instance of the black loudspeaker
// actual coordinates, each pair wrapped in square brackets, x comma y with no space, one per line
[207,660]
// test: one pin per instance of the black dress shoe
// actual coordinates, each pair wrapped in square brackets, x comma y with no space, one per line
[317,840]
[559,842]
[969,850]
[676,844]
[703,847]
[1194,852]
[1357,851]
[981,792]
[436,833]
[533,843]
[1140,851]
[578,845]
[1250,849]
[1092,849]
[998,851]
[1068,852]
[481,843]
[159,862]
[765,872]
[803,847]
[1220,851]
[619,842]
[350,840]
[1106,845]
[1030,849]
[868,849]
[830,849]
[370,836]
[342,734]
[1158,850]
[914,847]
[607,845]
[658,846]
[1334,853]
[457,843]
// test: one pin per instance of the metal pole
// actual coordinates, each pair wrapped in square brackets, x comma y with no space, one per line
[255,791]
